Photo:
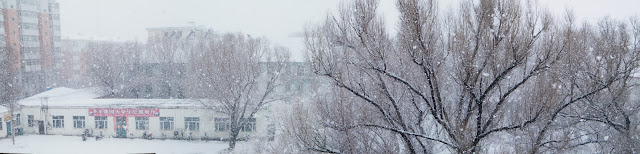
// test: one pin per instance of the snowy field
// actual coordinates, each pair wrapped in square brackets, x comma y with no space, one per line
[56,144]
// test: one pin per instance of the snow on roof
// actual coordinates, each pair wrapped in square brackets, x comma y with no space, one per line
[123,103]
[64,93]
[180,27]
[92,37]
[89,97]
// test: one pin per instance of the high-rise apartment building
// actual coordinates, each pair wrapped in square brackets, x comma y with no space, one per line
[166,59]
[30,40]
[74,72]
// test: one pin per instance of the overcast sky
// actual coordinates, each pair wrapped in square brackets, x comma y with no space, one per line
[277,20]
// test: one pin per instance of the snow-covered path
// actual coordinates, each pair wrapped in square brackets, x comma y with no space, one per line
[55,144]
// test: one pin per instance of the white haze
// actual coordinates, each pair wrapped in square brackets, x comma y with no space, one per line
[279,20]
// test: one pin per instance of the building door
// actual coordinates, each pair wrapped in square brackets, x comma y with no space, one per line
[41,127]
[8,128]
[121,127]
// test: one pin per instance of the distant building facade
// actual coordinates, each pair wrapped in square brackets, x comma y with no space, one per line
[166,59]
[165,70]
[164,64]
[74,72]
[30,43]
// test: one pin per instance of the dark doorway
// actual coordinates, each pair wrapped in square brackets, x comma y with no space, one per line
[40,127]
[121,124]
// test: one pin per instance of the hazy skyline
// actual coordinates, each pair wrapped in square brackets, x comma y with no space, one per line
[276,20]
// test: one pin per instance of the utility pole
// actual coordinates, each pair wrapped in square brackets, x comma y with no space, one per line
[44,109]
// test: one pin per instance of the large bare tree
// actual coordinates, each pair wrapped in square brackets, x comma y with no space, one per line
[115,66]
[167,57]
[242,74]
[10,87]
[593,89]
[457,80]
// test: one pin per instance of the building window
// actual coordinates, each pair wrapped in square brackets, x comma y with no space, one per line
[27,2]
[166,123]
[55,17]
[78,121]
[249,125]
[192,123]
[221,124]
[30,120]
[142,123]
[58,121]
[28,38]
[17,119]
[101,122]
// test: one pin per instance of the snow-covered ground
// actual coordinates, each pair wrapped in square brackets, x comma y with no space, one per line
[73,144]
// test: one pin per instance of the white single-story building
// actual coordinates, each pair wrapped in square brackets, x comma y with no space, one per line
[65,111]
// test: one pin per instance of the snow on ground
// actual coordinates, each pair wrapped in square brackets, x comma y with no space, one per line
[55,144]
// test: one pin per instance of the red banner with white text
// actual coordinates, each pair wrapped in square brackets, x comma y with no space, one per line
[108,112]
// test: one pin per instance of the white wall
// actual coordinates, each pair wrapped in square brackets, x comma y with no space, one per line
[3,131]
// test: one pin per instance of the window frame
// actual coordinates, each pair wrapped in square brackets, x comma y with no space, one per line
[192,123]
[17,119]
[30,119]
[221,124]
[79,121]
[142,123]
[58,121]
[167,121]
[101,122]
[249,126]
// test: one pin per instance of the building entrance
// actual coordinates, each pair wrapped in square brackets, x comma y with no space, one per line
[40,127]
[8,128]
[121,127]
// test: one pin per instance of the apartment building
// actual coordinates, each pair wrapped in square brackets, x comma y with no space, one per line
[74,72]
[30,40]
[166,59]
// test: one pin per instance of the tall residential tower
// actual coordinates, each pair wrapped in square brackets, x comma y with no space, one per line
[30,40]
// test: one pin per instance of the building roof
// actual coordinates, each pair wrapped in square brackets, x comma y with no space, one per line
[92,37]
[200,27]
[90,97]
[65,93]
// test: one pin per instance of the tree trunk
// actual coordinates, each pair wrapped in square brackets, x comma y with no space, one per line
[13,126]
[13,132]
[233,137]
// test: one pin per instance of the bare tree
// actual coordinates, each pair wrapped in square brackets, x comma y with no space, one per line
[495,68]
[596,85]
[241,73]
[9,87]
[168,56]
[115,66]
